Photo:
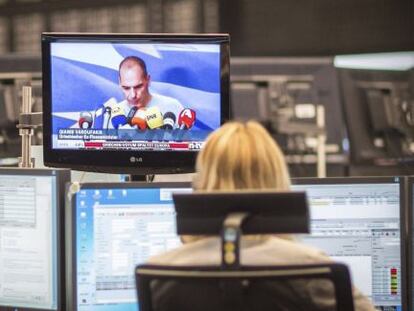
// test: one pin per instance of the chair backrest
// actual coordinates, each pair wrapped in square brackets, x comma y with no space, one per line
[314,287]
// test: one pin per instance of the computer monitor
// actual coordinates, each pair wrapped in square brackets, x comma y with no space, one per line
[32,239]
[410,242]
[360,221]
[132,103]
[378,107]
[114,227]
[285,92]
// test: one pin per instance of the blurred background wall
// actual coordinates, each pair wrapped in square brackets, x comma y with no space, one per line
[288,58]
[258,28]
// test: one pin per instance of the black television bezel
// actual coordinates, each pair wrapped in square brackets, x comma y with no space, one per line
[71,238]
[404,213]
[62,177]
[124,161]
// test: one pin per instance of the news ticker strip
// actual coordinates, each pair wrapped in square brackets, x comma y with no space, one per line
[131,145]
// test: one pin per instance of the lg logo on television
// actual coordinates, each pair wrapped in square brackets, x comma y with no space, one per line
[135,160]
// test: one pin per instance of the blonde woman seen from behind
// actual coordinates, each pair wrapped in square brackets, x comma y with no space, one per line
[243,156]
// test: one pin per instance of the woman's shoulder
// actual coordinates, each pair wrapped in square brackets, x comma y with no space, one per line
[202,252]
[280,251]
[262,251]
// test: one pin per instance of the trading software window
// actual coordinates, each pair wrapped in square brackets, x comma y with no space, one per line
[116,230]
[359,224]
[28,273]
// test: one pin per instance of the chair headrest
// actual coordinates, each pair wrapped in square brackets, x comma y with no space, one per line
[269,212]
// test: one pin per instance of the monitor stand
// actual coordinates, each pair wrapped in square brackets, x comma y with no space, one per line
[188,177]
[145,178]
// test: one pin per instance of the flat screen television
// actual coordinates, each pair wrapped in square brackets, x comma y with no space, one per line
[132,103]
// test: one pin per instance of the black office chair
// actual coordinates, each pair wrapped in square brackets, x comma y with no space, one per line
[232,286]
[313,287]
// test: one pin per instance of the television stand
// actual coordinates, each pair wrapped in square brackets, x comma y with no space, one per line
[145,178]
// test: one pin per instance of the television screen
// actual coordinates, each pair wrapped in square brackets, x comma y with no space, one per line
[142,102]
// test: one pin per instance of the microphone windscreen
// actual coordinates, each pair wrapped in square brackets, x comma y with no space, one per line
[131,114]
[118,117]
[139,119]
[154,118]
[169,120]
[187,118]
[85,120]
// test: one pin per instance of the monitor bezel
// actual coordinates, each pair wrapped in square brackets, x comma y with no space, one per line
[410,240]
[71,246]
[62,177]
[404,212]
[120,161]
[357,117]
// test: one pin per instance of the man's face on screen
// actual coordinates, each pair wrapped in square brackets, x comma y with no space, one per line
[134,85]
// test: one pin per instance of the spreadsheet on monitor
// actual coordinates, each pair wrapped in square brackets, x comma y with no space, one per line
[116,229]
[28,242]
[359,224]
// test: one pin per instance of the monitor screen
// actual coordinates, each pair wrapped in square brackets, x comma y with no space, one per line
[30,239]
[115,227]
[140,96]
[378,110]
[285,92]
[357,221]
[410,218]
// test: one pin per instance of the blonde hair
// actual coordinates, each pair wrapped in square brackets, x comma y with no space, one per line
[241,156]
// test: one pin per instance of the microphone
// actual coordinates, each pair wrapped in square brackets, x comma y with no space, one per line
[118,117]
[103,114]
[108,110]
[85,120]
[131,114]
[186,119]
[169,121]
[136,117]
[154,118]
[106,117]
